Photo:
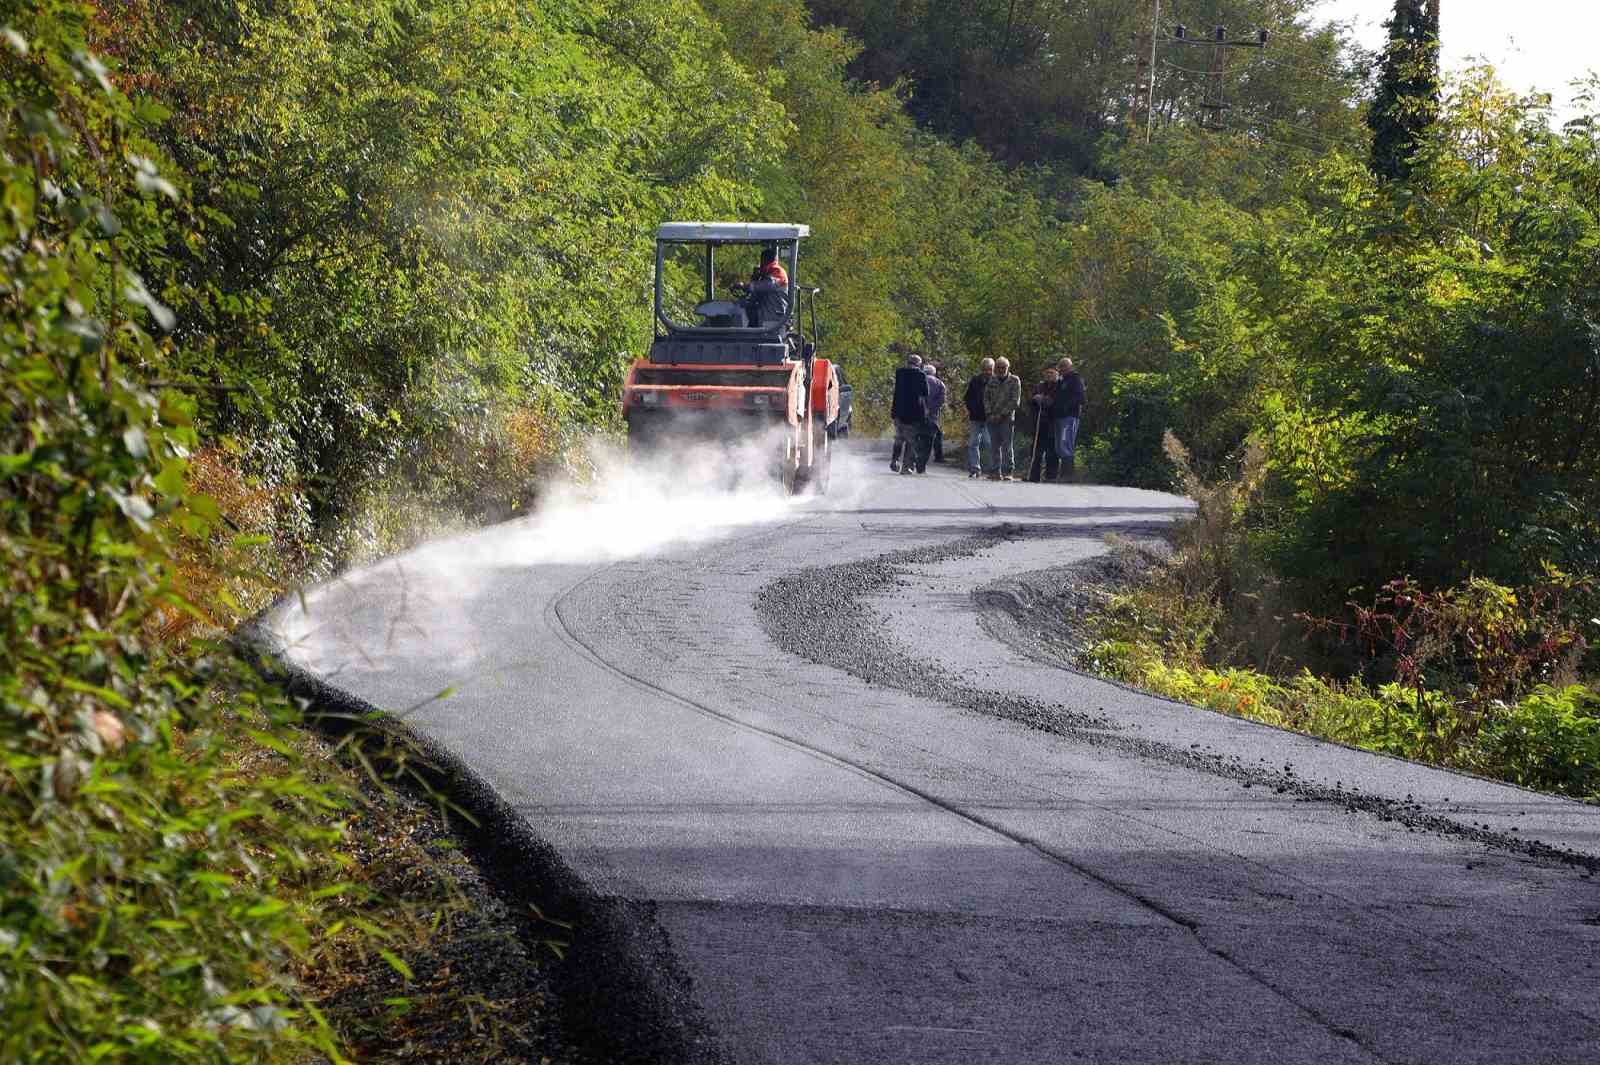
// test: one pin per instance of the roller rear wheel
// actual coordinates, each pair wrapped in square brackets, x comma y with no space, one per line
[822,470]
[790,476]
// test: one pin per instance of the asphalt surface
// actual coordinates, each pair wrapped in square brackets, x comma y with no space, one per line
[859,826]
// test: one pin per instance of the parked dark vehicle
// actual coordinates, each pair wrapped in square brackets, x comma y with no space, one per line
[841,424]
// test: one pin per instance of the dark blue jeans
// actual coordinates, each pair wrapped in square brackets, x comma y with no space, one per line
[977,437]
[1066,436]
[1002,459]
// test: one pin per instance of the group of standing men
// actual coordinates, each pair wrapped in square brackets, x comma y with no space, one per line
[993,399]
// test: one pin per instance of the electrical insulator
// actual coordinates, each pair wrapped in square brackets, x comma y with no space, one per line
[1222,34]
[1261,38]
[1180,32]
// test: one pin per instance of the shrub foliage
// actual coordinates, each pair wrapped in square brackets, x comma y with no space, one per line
[153,887]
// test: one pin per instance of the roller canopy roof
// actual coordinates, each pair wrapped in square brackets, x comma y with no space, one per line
[750,232]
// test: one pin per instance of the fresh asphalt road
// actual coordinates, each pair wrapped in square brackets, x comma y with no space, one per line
[850,872]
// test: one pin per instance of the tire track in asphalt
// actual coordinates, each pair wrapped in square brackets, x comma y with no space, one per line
[562,627]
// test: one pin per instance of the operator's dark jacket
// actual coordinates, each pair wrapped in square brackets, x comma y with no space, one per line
[974,398]
[1068,402]
[910,395]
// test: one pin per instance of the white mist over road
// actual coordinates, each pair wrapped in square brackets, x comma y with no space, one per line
[423,601]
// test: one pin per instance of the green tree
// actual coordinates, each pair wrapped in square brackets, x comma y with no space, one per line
[416,214]
[1447,342]
[153,895]
[1407,97]
[1049,83]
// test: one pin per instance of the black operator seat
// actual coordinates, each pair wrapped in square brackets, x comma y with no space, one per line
[723,314]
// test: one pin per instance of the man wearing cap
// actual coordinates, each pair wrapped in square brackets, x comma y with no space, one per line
[978,430]
[1066,407]
[1044,420]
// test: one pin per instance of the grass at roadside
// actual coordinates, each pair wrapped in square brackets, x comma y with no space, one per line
[454,976]
[1548,740]
[1478,677]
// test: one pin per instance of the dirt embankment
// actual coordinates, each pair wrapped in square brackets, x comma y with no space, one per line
[1045,613]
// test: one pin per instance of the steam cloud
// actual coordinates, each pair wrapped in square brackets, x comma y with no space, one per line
[435,603]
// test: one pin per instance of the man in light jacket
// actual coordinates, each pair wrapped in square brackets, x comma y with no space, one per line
[931,445]
[1002,395]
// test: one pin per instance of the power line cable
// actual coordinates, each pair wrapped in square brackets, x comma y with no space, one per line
[1205,73]
[1313,148]
[1254,78]
[1281,41]
[1327,72]
[1301,53]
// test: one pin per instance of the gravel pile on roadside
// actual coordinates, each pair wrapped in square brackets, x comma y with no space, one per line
[1044,613]
[819,615]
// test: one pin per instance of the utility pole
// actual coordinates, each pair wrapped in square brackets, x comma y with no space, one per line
[1144,91]
[1218,105]
[1219,43]
[1150,102]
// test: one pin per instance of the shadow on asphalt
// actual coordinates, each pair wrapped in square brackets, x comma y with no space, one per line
[1020,512]
[1059,531]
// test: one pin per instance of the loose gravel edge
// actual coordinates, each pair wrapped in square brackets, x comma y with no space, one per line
[820,614]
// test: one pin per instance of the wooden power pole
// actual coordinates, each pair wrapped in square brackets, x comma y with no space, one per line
[1150,101]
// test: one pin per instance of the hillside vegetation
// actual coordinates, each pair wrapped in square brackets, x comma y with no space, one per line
[289,284]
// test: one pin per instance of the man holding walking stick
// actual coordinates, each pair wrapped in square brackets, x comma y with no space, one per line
[1044,452]
[978,431]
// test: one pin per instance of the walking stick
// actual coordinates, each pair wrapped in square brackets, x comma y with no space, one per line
[1038,457]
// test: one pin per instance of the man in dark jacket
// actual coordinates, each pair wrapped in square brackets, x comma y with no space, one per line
[1044,427]
[1067,408]
[978,431]
[931,444]
[909,411]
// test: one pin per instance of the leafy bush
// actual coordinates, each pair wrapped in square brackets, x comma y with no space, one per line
[1481,642]
[1550,740]
[155,883]
[1128,451]
[1464,676]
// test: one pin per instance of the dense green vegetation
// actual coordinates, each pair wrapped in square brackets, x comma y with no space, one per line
[1477,676]
[154,889]
[289,283]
